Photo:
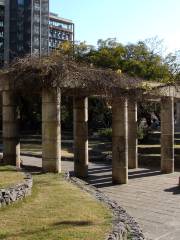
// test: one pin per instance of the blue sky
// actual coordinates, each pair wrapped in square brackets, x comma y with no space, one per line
[126,20]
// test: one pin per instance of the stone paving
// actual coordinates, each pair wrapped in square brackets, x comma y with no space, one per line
[152,198]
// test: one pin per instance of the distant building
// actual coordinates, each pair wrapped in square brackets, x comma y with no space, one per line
[60,30]
[1,33]
[26,28]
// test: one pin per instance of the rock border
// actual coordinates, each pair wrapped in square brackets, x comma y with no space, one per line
[17,192]
[124,226]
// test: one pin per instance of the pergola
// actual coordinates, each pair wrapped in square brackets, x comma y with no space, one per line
[124,117]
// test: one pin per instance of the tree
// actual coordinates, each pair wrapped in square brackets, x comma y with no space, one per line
[143,59]
[155,45]
[173,61]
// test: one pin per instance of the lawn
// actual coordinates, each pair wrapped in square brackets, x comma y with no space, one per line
[57,210]
[97,148]
[9,176]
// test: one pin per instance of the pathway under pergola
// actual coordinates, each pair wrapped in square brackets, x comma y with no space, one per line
[152,198]
[124,123]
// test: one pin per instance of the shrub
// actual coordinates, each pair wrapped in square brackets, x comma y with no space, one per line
[105,133]
[142,133]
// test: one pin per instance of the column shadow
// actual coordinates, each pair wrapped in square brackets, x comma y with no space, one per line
[144,173]
[102,177]
[174,190]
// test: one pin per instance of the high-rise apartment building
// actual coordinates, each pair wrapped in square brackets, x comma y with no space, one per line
[60,30]
[1,33]
[26,28]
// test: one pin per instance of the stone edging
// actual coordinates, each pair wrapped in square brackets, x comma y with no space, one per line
[17,192]
[124,226]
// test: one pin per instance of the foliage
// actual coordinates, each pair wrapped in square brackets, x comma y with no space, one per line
[93,69]
[145,110]
[105,133]
[142,133]
[100,115]
[67,113]
[141,60]
[173,61]
[29,112]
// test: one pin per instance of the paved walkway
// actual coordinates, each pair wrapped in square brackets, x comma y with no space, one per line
[152,198]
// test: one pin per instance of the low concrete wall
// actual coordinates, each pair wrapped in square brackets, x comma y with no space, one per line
[17,192]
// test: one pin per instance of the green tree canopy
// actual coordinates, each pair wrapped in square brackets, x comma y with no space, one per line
[143,59]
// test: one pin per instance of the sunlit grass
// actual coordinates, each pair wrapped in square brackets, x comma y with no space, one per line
[9,176]
[57,210]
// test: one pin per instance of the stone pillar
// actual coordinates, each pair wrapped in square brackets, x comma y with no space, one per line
[51,130]
[11,143]
[132,134]
[81,136]
[178,115]
[167,135]
[119,141]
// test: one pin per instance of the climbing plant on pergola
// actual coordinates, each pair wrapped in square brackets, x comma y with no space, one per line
[58,75]
[66,74]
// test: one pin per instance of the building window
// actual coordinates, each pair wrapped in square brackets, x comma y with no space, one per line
[20,2]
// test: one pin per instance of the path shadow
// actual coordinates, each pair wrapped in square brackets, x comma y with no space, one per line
[100,170]
[144,173]
[32,169]
[26,154]
[174,190]
[141,171]
[102,177]
[100,181]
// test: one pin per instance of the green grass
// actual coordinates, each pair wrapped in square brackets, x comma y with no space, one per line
[95,147]
[9,176]
[57,210]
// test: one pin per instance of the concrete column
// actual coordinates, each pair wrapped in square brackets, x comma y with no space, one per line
[51,130]
[132,134]
[11,143]
[178,115]
[119,141]
[81,136]
[167,135]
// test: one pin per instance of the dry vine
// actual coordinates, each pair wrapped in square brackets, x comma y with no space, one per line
[31,74]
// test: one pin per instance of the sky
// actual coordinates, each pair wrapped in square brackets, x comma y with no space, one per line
[126,20]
